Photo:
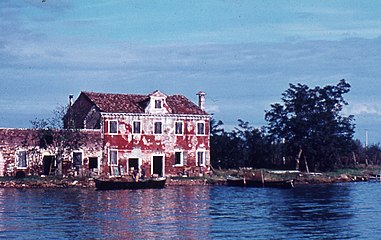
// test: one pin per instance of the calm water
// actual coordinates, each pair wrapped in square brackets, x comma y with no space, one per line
[339,211]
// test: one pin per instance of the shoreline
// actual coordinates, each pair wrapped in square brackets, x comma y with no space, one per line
[300,178]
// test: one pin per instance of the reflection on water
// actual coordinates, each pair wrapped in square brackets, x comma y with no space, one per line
[155,213]
[85,214]
[339,211]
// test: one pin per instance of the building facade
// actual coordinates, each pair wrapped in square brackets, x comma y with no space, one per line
[165,135]
[36,151]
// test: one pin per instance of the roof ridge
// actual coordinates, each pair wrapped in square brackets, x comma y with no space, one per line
[124,94]
[132,94]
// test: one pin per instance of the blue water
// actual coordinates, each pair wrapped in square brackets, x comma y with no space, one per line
[337,211]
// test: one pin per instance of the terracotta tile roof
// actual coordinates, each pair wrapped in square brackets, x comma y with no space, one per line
[135,103]
[117,103]
[181,105]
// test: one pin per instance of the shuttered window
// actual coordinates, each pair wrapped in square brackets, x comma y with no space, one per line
[21,159]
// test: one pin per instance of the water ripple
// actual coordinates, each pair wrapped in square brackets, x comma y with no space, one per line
[337,211]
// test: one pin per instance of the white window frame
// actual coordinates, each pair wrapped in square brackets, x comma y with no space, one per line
[182,128]
[18,159]
[154,128]
[114,168]
[181,158]
[203,154]
[197,128]
[163,159]
[72,157]
[109,157]
[109,127]
[140,127]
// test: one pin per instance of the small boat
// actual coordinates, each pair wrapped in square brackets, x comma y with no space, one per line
[235,181]
[376,177]
[270,183]
[122,183]
[243,182]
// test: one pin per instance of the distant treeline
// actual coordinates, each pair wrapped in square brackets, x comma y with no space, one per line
[305,131]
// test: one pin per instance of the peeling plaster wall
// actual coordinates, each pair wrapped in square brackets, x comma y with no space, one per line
[13,140]
[147,144]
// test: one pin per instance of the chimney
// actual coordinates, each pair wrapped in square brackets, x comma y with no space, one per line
[201,100]
[71,100]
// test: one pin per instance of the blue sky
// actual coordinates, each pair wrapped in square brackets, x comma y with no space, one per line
[243,54]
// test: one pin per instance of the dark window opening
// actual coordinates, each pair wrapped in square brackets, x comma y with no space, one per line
[77,159]
[200,128]
[200,159]
[177,158]
[178,128]
[113,127]
[157,103]
[93,162]
[136,127]
[158,128]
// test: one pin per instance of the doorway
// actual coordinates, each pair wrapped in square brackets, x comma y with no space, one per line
[133,163]
[93,163]
[48,164]
[158,165]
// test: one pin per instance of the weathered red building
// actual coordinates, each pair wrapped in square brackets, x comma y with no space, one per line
[165,135]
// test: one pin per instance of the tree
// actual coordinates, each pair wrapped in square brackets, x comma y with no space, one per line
[224,147]
[245,146]
[310,123]
[51,135]
[253,145]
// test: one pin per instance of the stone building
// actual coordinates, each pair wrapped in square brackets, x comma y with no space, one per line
[165,135]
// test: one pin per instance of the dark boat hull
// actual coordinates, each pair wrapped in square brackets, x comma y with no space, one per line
[114,184]
[241,182]
[273,184]
[235,182]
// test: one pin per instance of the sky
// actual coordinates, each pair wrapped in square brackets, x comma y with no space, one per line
[243,54]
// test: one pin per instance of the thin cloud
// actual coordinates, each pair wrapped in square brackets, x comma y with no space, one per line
[212,108]
[364,109]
